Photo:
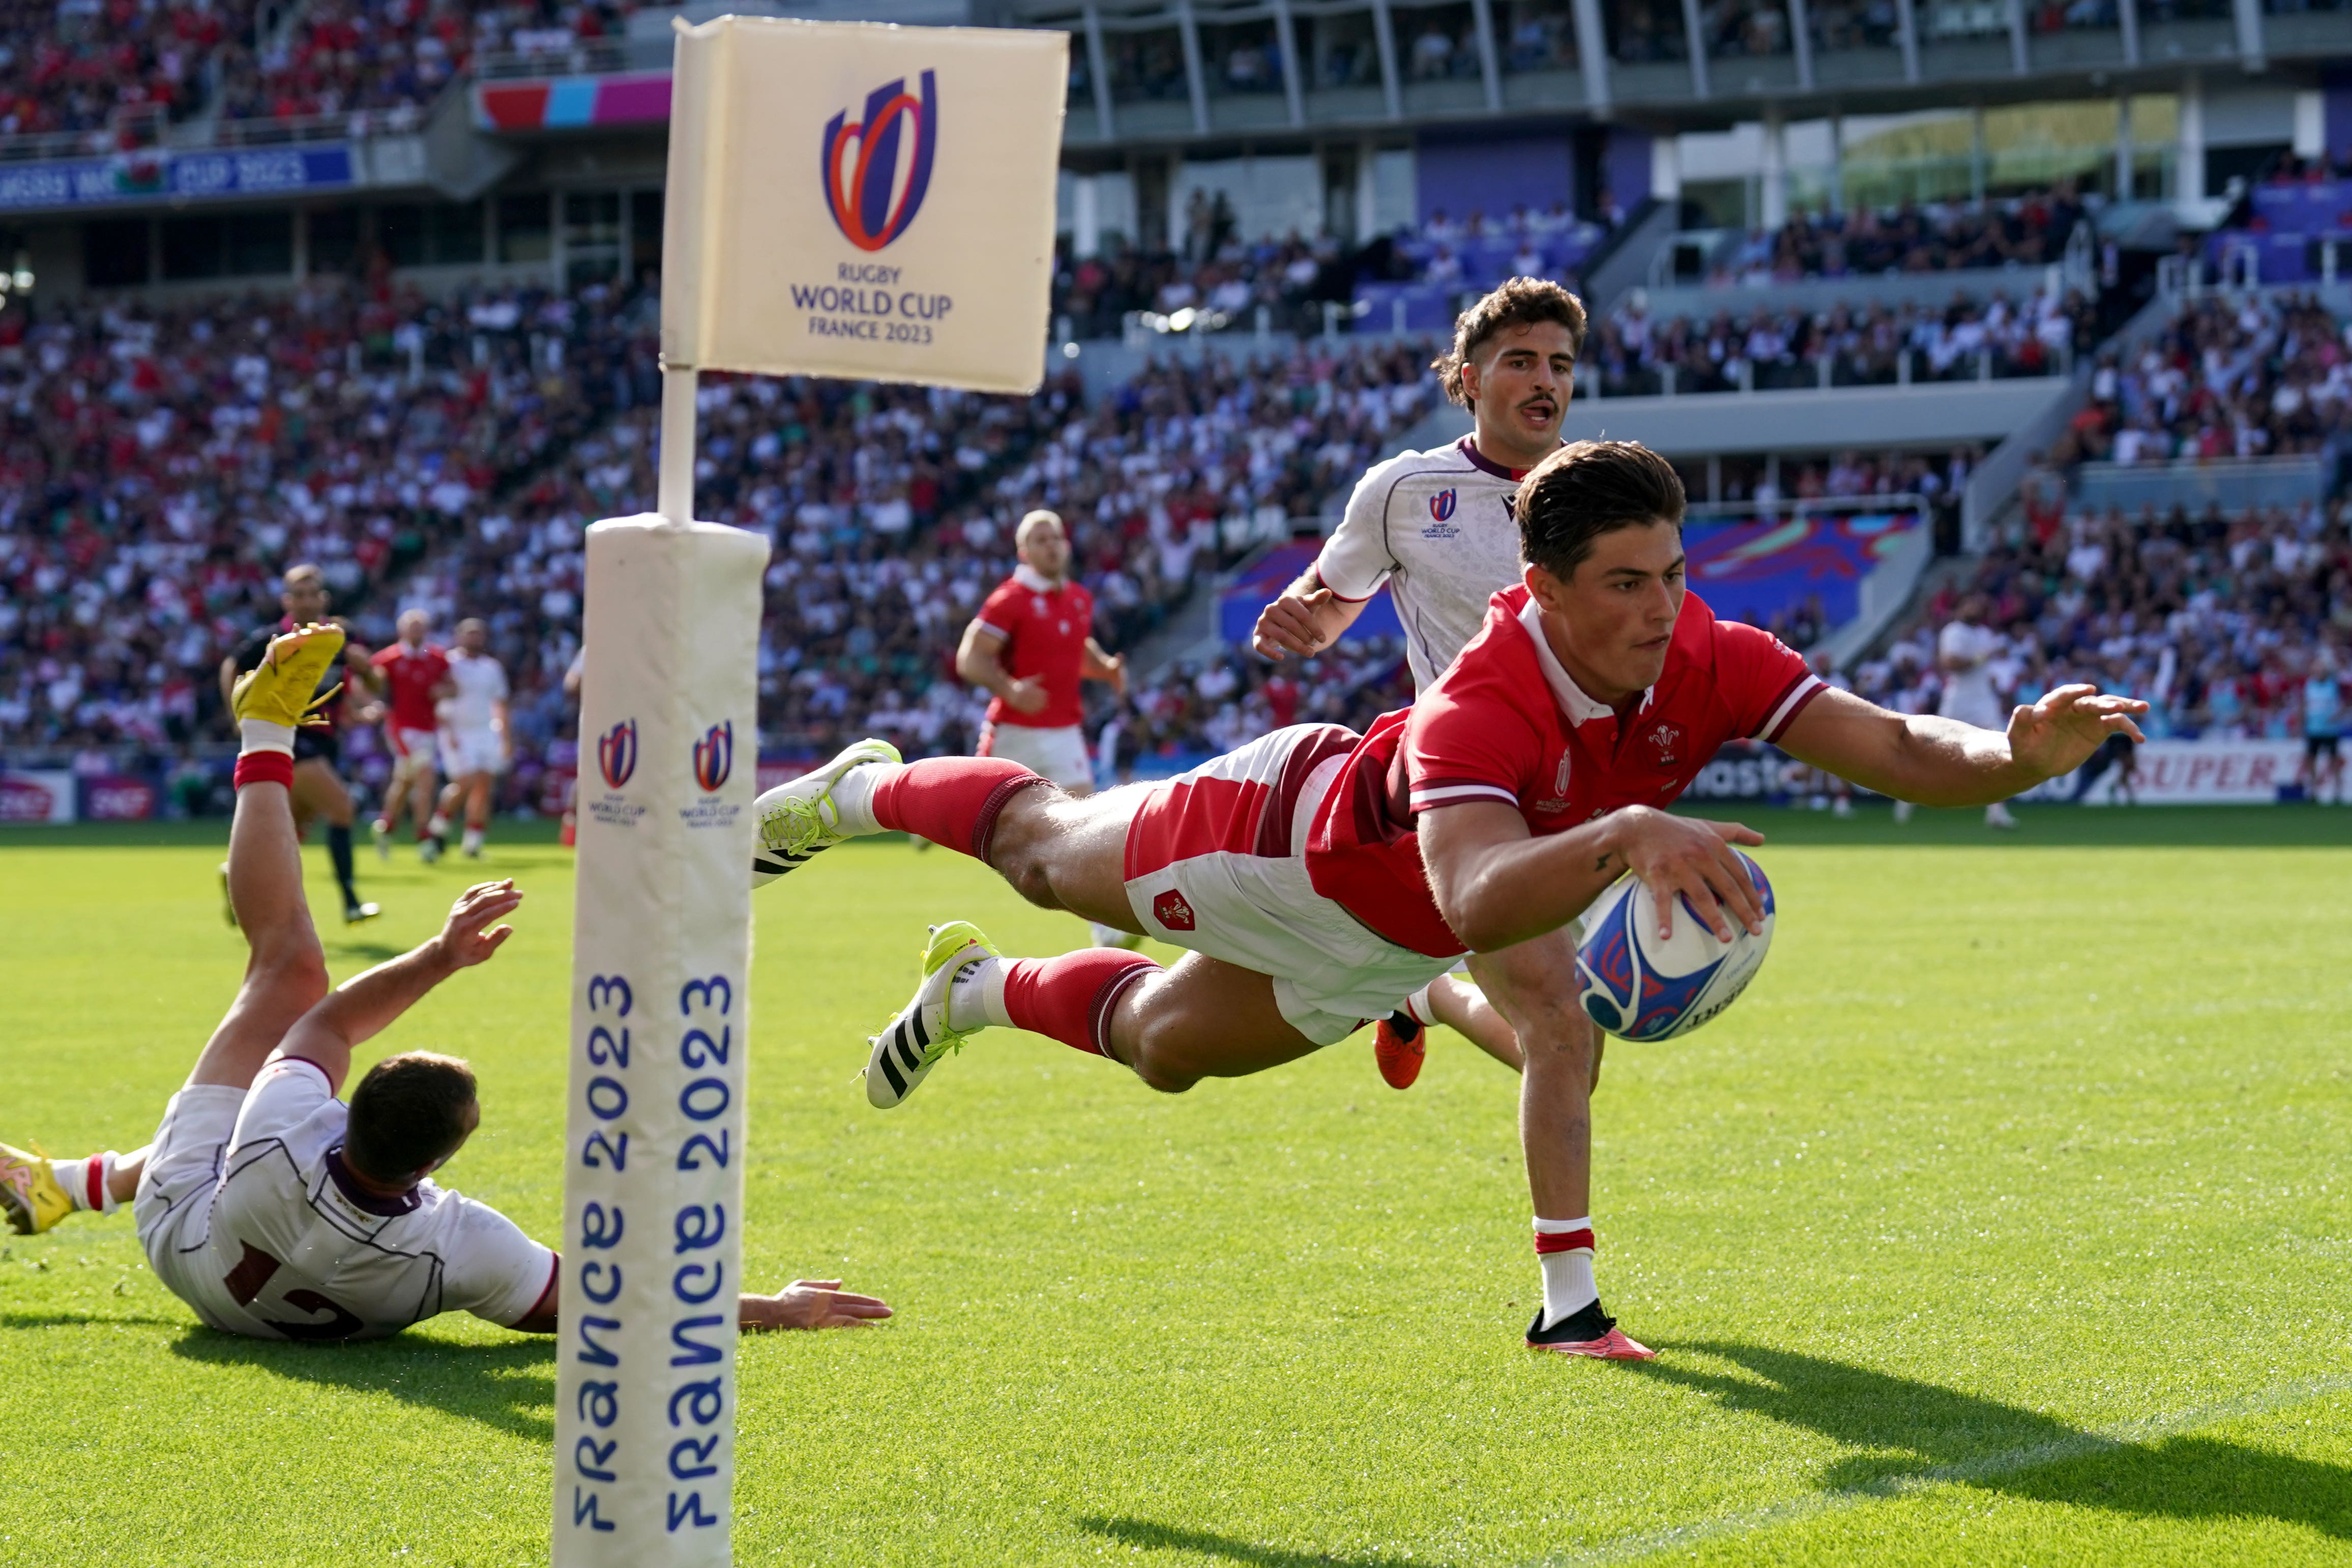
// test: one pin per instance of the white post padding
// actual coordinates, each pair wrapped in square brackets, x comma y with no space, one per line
[859,200]
[654,1139]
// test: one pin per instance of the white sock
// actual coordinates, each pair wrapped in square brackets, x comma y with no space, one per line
[473,844]
[976,998]
[1568,1286]
[1108,935]
[75,1176]
[260,735]
[1417,1006]
[438,827]
[853,797]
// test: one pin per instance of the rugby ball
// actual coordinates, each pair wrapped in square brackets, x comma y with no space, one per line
[1640,986]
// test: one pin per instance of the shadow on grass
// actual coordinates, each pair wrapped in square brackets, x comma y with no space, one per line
[509,1386]
[375,951]
[85,1320]
[1143,1536]
[1923,1433]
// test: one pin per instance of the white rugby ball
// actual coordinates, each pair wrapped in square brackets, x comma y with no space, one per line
[1640,986]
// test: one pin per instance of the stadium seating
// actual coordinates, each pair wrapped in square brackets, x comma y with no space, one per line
[1763,348]
[2249,375]
[352,57]
[76,68]
[2212,619]
[2030,230]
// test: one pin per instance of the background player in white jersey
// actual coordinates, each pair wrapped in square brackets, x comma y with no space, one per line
[268,1206]
[475,745]
[1436,527]
[1965,650]
[1032,647]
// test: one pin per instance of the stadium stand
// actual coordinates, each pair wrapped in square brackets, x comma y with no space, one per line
[81,67]
[2248,375]
[352,57]
[2212,618]
[2030,230]
[1764,347]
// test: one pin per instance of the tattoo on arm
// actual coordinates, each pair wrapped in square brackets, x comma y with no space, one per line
[1602,863]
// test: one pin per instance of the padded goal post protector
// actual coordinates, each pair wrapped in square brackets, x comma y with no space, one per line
[861,200]
[654,1139]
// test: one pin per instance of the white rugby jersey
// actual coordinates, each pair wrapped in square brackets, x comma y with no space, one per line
[298,1250]
[480,681]
[1437,527]
[1968,694]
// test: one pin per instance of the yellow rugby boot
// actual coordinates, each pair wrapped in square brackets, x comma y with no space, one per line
[31,1196]
[284,687]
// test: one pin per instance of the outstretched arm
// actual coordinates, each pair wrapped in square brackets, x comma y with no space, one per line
[1497,887]
[1943,762]
[365,1005]
[1307,619]
[1108,668]
[802,1304]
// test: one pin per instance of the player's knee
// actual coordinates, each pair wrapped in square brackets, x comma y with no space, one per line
[295,970]
[1156,1052]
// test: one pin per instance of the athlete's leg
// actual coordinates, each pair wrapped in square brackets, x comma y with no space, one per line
[1464,1008]
[286,972]
[1201,1017]
[320,792]
[421,791]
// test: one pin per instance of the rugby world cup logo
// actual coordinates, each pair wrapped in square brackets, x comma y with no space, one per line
[1441,506]
[616,753]
[871,200]
[714,756]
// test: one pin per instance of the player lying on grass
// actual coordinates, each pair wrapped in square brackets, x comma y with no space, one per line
[265,1203]
[1318,876]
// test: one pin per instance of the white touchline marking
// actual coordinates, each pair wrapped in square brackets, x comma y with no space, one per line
[1632,1548]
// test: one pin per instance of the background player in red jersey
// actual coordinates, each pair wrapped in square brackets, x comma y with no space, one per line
[1031,646]
[416,672]
[1316,876]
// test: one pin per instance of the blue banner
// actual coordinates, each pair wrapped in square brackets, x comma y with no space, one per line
[175,176]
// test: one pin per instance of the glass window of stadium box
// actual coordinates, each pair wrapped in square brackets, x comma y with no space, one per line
[1150,94]
[591,237]
[331,239]
[645,232]
[1856,40]
[1963,39]
[1649,49]
[1886,162]
[443,234]
[2189,30]
[1749,45]
[1537,43]
[1437,51]
[1243,59]
[117,253]
[526,228]
[2304,27]
[2063,33]
[1341,47]
[199,246]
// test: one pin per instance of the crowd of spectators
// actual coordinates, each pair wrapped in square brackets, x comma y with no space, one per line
[892,510]
[1768,348]
[158,468]
[2247,375]
[2213,620]
[1200,708]
[374,61]
[2030,230]
[68,67]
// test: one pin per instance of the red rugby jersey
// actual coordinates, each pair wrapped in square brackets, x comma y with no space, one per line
[1506,723]
[412,673]
[1044,627]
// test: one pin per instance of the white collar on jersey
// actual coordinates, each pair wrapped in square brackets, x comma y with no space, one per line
[1035,581]
[1573,702]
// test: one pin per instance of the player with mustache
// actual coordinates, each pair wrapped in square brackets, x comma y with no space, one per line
[1436,527]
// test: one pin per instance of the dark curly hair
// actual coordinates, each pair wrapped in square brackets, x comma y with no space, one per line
[1519,302]
[1586,489]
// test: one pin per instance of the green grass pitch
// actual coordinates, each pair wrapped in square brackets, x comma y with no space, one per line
[2004,1220]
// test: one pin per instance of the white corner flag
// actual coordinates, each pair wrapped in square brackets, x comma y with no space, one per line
[845,199]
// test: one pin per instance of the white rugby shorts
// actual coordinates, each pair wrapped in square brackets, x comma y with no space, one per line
[464,751]
[1060,755]
[1216,862]
[411,749]
[172,1209]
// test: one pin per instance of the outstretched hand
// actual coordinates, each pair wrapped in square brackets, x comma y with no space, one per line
[469,938]
[2058,734]
[812,1304]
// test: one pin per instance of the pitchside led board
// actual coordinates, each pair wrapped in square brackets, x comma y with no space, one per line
[843,200]
[867,201]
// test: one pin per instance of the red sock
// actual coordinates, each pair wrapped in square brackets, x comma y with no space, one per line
[1070,999]
[951,800]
